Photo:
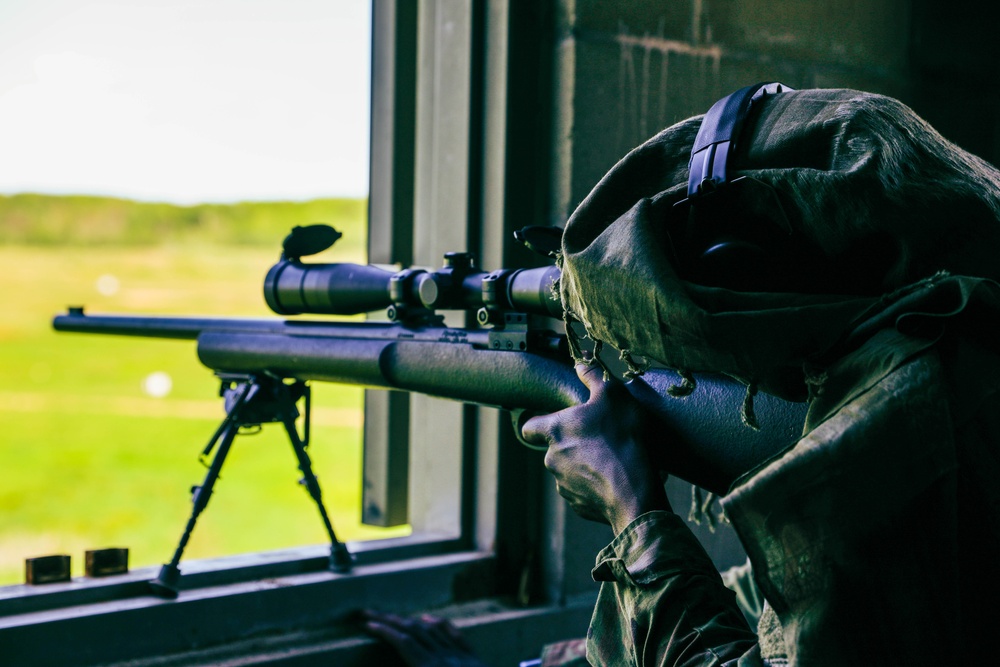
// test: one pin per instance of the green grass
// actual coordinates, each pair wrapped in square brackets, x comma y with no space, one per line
[89,460]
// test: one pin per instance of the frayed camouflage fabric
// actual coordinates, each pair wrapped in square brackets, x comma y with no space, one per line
[874,532]
[873,537]
[878,528]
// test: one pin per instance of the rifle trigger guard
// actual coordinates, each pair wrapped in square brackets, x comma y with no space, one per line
[517,417]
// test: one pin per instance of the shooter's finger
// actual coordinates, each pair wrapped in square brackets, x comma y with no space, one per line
[542,430]
[592,375]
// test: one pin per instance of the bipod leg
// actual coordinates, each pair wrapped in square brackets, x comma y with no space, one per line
[166,583]
[340,558]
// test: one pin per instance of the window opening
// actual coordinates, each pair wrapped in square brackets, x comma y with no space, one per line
[156,154]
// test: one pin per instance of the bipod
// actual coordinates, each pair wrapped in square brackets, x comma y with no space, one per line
[253,400]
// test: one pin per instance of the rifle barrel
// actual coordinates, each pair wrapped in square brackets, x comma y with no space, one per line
[190,328]
[179,328]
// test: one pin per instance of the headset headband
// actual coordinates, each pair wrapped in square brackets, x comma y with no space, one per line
[717,136]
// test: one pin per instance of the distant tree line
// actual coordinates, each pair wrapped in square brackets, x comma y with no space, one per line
[37,219]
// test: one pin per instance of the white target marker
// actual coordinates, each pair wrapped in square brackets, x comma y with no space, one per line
[157,384]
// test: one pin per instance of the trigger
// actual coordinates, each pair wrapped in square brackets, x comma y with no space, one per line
[517,417]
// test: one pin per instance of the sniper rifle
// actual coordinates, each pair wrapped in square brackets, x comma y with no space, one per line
[516,359]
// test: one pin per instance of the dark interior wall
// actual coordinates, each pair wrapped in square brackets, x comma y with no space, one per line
[630,68]
[955,68]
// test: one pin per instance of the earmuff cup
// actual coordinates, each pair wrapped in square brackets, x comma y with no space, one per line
[733,233]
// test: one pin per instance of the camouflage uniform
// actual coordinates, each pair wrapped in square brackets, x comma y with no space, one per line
[872,537]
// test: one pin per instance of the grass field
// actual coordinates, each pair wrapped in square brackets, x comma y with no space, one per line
[89,459]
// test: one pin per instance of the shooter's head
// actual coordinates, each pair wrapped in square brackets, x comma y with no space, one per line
[834,199]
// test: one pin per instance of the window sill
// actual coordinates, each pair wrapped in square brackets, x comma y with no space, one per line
[236,602]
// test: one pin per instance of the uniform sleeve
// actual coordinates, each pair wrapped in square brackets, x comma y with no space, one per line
[662,602]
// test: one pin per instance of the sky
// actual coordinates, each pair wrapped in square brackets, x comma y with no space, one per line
[185,101]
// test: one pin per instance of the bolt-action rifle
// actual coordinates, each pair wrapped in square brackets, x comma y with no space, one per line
[516,359]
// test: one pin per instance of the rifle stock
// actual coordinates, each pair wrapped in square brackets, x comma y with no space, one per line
[705,442]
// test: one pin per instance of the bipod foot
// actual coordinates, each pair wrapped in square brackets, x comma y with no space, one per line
[341,560]
[166,583]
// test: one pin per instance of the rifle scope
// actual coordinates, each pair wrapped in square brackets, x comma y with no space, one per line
[292,288]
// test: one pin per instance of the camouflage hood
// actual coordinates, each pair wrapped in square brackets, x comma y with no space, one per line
[836,168]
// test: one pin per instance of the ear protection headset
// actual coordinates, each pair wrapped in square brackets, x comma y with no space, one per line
[722,234]
[717,137]
[734,232]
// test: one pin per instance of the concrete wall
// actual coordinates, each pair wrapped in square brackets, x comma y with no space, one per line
[630,68]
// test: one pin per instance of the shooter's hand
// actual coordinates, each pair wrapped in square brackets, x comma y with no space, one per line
[598,455]
[424,641]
